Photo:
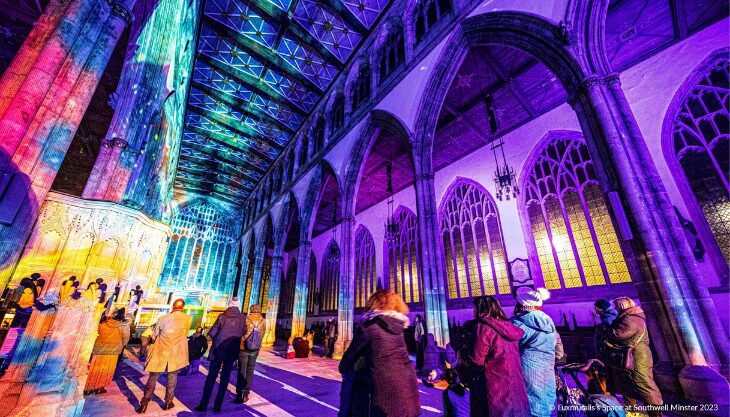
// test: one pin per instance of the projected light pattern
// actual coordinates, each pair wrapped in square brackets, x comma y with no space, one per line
[202,253]
[261,68]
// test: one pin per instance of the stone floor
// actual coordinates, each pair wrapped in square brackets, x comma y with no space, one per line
[281,387]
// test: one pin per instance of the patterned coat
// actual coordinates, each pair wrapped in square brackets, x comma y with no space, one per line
[537,353]
[169,352]
[113,336]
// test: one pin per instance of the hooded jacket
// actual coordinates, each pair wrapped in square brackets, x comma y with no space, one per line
[226,333]
[389,371]
[498,390]
[537,354]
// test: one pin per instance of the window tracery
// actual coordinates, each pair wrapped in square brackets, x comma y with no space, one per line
[361,86]
[365,283]
[330,278]
[392,52]
[312,284]
[575,242]
[338,114]
[473,243]
[401,264]
[288,285]
[428,13]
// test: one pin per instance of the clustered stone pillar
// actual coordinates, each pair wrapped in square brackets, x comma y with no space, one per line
[432,267]
[674,288]
[301,290]
[346,297]
[258,269]
[272,305]
[69,52]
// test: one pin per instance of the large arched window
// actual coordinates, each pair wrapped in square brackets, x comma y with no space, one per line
[318,135]
[312,284]
[330,278]
[473,243]
[697,139]
[286,302]
[427,13]
[338,113]
[264,286]
[401,251]
[365,283]
[360,88]
[573,235]
[392,53]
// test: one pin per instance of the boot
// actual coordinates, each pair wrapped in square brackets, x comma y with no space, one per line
[142,406]
[168,405]
[239,399]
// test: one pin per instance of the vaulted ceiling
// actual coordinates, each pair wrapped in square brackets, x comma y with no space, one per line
[261,67]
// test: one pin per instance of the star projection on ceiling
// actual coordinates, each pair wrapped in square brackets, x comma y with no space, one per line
[261,67]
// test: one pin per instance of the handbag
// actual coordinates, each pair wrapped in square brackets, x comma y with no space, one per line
[621,357]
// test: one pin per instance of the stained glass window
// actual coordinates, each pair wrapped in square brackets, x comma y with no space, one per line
[574,239]
[286,301]
[701,145]
[360,88]
[473,243]
[401,263]
[392,53]
[264,285]
[365,283]
[427,13]
[330,278]
[312,284]
[201,248]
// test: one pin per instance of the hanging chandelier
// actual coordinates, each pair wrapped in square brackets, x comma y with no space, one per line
[505,180]
[391,228]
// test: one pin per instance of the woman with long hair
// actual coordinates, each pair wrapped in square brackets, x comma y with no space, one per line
[498,389]
[381,346]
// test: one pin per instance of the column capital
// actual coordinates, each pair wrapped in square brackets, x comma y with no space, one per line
[107,143]
[120,11]
[119,143]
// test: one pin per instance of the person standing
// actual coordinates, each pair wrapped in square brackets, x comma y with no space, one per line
[197,346]
[113,336]
[636,380]
[250,347]
[537,349]
[393,387]
[169,353]
[330,336]
[226,333]
[492,357]
[606,313]
[419,332]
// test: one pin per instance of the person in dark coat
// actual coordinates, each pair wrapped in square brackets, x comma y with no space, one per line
[419,333]
[629,329]
[197,346]
[393,388]
[498,389]
[226,333]
[606,313]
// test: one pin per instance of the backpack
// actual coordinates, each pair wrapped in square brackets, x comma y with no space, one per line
[253,341]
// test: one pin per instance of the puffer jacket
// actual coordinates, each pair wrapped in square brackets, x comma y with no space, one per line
[113,336]
[537,354]
[226,334]
[629,329]
[388,369]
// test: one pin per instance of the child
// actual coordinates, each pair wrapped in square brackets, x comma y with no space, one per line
[456,396]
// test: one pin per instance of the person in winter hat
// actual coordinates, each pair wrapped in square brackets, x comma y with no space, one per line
[537,349]
[492,350]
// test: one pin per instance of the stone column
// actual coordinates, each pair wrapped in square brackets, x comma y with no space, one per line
[40,154]
[272,307]
[346,299]
[676,288]
[97,172]
[431,260]
[301,290]
[258,269]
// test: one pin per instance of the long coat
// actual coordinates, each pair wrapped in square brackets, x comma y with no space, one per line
[227,331]
[629,329]
[499,390]
[537,353]
[113,336]
[169,352]
[388,369]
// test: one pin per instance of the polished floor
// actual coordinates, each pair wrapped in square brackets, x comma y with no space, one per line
[281,387]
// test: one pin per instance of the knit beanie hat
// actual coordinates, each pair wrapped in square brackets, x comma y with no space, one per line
[528,297]
[603,304]
[234,302]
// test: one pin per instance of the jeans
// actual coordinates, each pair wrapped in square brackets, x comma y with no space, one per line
[149,388]
[246,364]
[215,368]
